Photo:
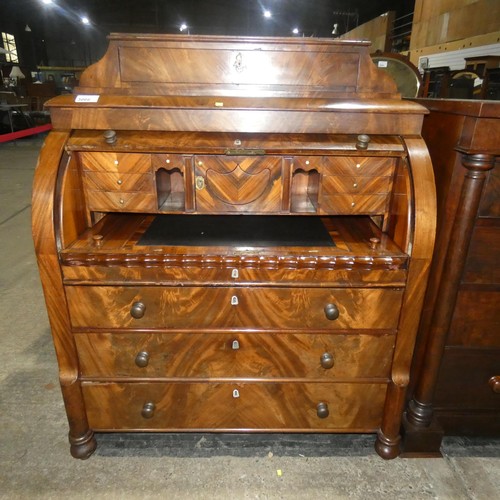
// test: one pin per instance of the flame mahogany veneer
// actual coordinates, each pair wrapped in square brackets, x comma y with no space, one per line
[232,337]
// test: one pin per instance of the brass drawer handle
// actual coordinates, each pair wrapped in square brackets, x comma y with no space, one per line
[142,359]
[327,360]
[494,383]
[331,312]
[148,410]
[322,410]
[137,310]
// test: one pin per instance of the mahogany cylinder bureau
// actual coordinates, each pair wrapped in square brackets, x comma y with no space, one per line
[456,388]
[234,235]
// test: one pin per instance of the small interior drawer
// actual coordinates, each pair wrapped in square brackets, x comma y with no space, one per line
[353,204]
[332,184]
[238,184]
[359,166]
[112,200]
[132,163]
[116,181]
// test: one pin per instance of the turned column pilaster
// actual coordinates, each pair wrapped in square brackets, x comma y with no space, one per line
[420,410]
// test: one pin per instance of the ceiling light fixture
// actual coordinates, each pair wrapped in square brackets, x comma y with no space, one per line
[295,31]
[267,14]
[85,20]
[183,27]
[47,2]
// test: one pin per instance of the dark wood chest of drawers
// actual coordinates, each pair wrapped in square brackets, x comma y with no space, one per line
[457,364]
[248,255]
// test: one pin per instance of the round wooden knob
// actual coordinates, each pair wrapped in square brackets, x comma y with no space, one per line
[322,410]
[494,383]
[363,141]
[97,239]
[137,310]
[109,136]
[331,312]
[142,359]
[327,361]
[148,410]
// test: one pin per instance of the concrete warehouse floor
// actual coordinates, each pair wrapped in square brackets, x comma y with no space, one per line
[34,452]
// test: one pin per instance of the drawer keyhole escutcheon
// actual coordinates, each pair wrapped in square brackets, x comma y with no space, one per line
[235,273]
[235,345]
[199,182]
[331,312]
[234,300]
[236,393]
[148,410]
[322,410]
[142,359]
[137,310]
[327,360]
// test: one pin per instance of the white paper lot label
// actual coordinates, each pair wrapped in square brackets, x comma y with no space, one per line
[87,98]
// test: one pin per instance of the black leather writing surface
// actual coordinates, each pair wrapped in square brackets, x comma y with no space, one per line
[236,230]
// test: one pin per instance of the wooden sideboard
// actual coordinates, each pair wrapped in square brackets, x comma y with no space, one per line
[457,363]
[234,235]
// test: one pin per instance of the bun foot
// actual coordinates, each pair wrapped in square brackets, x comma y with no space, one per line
[83,447]
[386,447]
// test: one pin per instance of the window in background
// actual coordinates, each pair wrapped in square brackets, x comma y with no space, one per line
[9,44]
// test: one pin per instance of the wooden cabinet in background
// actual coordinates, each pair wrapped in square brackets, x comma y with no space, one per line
[457,364]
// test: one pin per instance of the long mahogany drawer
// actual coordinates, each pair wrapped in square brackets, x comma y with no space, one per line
[220,355]
[133,163]
[232,406]
[469,379]
[232,307]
